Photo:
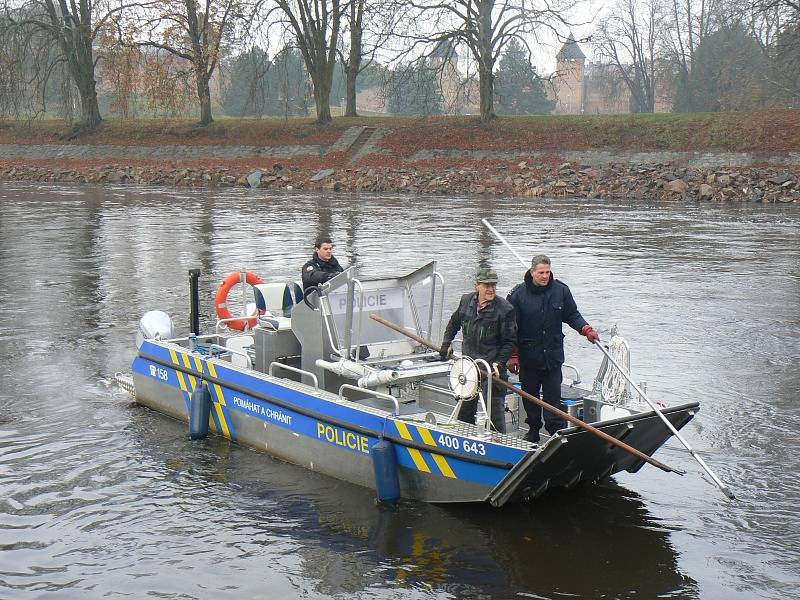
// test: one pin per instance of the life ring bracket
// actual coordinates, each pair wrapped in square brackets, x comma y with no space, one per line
[221,300]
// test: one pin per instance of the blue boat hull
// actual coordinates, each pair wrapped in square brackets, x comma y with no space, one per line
[440,463]
[315,429]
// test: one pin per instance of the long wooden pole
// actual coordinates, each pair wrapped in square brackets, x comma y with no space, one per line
[567,417]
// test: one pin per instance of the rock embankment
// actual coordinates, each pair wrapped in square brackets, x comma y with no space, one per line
[379,159]
[526,178]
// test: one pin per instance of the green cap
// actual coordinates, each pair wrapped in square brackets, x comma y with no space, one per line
[486,275]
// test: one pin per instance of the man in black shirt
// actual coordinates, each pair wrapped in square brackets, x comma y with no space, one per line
[322,266]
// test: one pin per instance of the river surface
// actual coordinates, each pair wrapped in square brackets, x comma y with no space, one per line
[102,498]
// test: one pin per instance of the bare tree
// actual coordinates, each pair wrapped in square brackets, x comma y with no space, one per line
[366,28]
[197,32]
[786,6]
[352,62]
[486,27]
[316,27]
[70,30]
[119,70]
[785,78]
[628,38]
[23,82]
[689,22]
[776,24]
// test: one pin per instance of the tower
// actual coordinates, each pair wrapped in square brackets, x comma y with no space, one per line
[568,84]
[445,60]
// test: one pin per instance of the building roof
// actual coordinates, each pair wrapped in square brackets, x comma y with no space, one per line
[445,50]
[570,50]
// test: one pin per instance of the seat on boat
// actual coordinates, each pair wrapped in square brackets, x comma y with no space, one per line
[240,343]
[277,298]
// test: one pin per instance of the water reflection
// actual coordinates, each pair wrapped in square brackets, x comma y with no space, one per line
[599,542]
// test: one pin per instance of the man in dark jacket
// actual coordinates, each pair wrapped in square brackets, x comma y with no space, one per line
[322,266]
[542,304]
[489,331]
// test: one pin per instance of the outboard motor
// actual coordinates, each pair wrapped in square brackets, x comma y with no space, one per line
[155,324]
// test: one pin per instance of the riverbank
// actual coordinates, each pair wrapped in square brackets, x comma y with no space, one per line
[726,157]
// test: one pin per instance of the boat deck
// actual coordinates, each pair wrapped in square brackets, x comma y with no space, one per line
[516,428]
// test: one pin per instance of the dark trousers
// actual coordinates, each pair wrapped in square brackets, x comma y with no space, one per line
[469,407]
[548,382]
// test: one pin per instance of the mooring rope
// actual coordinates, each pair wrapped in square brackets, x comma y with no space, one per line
[615,388]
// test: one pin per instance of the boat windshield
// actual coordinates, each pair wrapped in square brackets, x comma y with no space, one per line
[410,301]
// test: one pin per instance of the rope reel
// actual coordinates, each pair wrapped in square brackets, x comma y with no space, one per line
[464,378]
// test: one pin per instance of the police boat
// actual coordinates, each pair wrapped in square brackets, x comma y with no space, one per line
[320,381]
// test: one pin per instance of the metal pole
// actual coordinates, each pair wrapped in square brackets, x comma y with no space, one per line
[243,281]
[194,306]
[701,462]
[502,239]
[640,391]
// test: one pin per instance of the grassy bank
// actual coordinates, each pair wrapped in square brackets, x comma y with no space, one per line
[768,131]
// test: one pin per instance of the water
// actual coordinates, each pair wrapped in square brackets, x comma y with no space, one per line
[99,497]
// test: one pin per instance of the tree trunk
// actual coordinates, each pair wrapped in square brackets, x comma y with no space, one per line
[87,92]
[322,99]
[78,46]
[354,59]
[319,54]
[487,94]
[486,60]
[350,91]
[204,95]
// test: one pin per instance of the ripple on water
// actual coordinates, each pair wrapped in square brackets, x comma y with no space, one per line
[99,498]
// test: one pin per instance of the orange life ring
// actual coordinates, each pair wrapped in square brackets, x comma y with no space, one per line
[221,299]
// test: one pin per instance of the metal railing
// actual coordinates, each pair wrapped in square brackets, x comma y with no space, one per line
[236,352]
[246,320]
[347,386]
[577,379]
[294,370]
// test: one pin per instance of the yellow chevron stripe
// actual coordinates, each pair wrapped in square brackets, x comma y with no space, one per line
[221,416]
[403,430]
[219,403]
[426,436]
[212,370]
[443,465]
[188,365]
[416,455]
[440,460]
[174,358]
[181,381]
[419,460]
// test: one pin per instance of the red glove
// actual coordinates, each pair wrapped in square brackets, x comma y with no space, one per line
[590,333]
[513,363]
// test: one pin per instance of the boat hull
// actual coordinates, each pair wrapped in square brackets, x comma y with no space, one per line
[319,431]
[439,463]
